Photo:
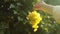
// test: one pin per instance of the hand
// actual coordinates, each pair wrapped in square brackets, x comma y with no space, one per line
[39,5]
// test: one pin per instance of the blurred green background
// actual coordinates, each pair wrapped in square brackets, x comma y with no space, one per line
[13,18]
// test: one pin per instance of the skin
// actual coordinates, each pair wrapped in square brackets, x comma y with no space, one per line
[47,8]
[44,7]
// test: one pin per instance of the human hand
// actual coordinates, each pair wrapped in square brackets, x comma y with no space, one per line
[39,5]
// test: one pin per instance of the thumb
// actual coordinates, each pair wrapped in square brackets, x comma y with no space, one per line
[36,7]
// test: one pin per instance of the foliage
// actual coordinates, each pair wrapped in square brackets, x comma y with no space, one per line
[13,19]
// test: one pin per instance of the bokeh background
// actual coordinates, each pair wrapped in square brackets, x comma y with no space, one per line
[13,20]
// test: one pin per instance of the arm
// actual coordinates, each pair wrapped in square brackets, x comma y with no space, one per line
[54,10]
[44,7]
